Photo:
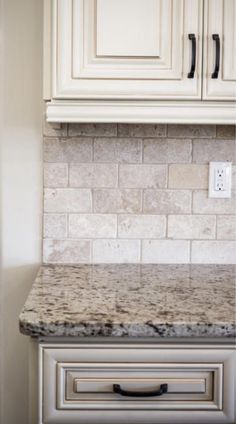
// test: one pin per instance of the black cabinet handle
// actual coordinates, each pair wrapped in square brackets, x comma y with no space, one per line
[120,391]
[192,37]
[215,74]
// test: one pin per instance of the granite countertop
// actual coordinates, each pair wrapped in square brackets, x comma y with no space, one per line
[132,300]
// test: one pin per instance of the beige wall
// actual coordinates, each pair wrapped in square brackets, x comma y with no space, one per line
[136,193]
[21,93]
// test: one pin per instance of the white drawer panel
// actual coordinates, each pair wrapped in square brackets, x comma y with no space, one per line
[77,384]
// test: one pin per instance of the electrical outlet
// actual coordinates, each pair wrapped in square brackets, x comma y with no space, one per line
[220,176]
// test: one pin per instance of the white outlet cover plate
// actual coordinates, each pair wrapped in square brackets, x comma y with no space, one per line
[220,172]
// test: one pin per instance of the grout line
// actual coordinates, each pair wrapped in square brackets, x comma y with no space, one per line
[117,226]
[190,251]
[93,141]
[167,226]
[67,224]
[91,250]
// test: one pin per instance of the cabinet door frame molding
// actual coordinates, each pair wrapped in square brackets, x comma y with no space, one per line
[85,82]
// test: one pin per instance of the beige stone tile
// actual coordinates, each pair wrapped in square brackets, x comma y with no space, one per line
[117,201]
[167,150]
[66,251]
[192,131]
[141,130]
[191,226]
[208,150]
[225,131]
[93,175]
[96,130]
[54,129]
[213,252]
[118,150]
[116,251]
[165,251]
[143,176]
[55,226]
[188,176]
[166,201]
[67,200]
[55,175]
[226,227]
[141,226]
[205,205]
[92,226]
[68,150]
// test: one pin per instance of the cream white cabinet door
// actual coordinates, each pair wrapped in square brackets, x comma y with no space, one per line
[220,50]
[127,49]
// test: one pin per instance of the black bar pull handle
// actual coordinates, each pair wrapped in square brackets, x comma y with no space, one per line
[163,389]
[192,38]
[215,74]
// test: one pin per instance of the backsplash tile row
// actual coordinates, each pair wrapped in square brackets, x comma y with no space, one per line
[136,193]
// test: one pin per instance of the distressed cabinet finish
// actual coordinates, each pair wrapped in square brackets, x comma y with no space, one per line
[221,24]
[113,383]
[140,61]
[109,49]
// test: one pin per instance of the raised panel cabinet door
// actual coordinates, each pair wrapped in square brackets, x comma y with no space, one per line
[220,50]
[127,49]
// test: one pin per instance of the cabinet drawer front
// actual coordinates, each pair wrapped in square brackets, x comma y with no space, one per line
[81,383]
[78,385]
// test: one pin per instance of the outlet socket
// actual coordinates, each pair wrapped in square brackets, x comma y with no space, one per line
[220,179]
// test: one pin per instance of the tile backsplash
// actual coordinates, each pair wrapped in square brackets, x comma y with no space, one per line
[136,193]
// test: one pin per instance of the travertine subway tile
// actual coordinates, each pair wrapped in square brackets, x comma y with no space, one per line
[54,129]
[108,184]
[167,201]
[143,176]
[93,175]
[141,226]
[188,176]
[225,131]
[191,226]
[67,251]
[205,205]
[165,251]
[167,150]
[68,150]
[116,251]
[226,227]
[92,226]
[205,151]
[192,131]
[96,130]
[67,200]
[118,150]
[55,175]
[208,252]
[55,225]
[141,130]
[117,201]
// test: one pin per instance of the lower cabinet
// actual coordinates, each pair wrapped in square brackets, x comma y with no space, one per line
[136,384]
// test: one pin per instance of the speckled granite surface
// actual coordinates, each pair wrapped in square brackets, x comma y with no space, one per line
[132,300]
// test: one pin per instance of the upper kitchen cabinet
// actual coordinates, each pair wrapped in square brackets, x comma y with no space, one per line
[220,50]
[140,61]
[127,49]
